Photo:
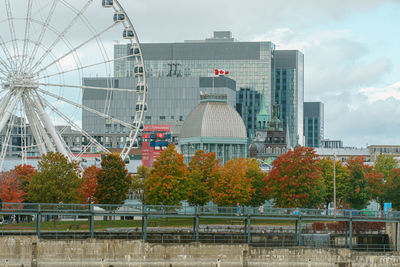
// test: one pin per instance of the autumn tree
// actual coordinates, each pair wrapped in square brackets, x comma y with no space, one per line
[139,181]
[11,188]
[342,173]
[203,168]
[257,176]
[356,189]
[232,185]
[89,185]
[392,188]
[25,174]
[295,180]
[384,164]
[167,183]
[55,181]
[112,180]
[375,185]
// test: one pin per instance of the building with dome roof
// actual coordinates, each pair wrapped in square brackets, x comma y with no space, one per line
[214,126]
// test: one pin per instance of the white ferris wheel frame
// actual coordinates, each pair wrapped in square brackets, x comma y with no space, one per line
[23,88]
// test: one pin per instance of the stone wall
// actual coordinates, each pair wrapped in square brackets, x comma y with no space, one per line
[29,251]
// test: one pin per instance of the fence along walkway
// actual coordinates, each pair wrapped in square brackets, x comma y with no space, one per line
[246,214]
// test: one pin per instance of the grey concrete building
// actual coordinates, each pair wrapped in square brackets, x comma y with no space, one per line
[250,64]
[288,92]
[326,143]
[313,123]
[169,101]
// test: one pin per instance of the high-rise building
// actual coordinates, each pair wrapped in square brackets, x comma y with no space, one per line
[248,106]
[288,92]
[250,64]
[313,123]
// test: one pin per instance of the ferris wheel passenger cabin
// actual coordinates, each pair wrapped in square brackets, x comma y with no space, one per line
[108,3]
[128,34]
[119,16]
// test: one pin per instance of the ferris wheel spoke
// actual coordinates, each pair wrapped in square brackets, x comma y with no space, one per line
[27,32]
[62,34]
[100,114]
[88,87]
[42,32]
[7,53]
[78,47]
[73,124]
[12,29]
[49,126]
[82,67]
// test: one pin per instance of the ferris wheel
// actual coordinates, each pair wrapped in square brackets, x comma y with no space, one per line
[47,49]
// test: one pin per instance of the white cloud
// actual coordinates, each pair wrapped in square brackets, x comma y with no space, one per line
[375,94]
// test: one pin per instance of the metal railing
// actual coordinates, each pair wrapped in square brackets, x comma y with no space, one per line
[190,211]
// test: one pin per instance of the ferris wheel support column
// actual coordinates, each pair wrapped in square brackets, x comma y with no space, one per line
[4,103]
[9,110]
[50,127]
[40,128]
[35,131]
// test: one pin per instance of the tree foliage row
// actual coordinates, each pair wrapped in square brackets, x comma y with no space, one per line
[297,179]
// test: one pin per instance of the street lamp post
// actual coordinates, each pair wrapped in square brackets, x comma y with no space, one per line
[334,184]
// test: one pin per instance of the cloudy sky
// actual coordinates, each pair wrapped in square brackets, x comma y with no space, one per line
[352,58]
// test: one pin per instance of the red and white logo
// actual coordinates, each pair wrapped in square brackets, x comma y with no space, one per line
[219,72]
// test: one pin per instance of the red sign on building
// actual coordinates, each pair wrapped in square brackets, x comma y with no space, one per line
[155,139]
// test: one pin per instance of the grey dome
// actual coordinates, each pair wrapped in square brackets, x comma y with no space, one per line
[213,119]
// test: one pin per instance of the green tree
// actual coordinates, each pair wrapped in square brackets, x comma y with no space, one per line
[342,173]
[167,182]
[203,168]
[392,188]
[232,186]
[385,164]
[139,181]
[112,180]
[257,176]
[55,181]
[356,188]
[295,180]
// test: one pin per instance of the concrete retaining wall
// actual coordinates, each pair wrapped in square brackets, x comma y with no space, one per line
[29,251]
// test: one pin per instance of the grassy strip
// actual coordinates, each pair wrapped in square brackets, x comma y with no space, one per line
[159,222]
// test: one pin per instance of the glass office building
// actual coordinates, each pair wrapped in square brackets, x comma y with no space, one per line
[250,64]
[314,123]
[288,92]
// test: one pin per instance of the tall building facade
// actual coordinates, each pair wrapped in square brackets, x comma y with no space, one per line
[313,123]
[169,101]
[250,64]
[248,106]
[288,92]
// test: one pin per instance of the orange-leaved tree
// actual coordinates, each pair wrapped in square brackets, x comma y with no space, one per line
[232,185]
[25,174]
[203,168]
[167,183]
[89,185]
[257,176]
[375,185]
[11,189]
[112,180]
[295,180]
